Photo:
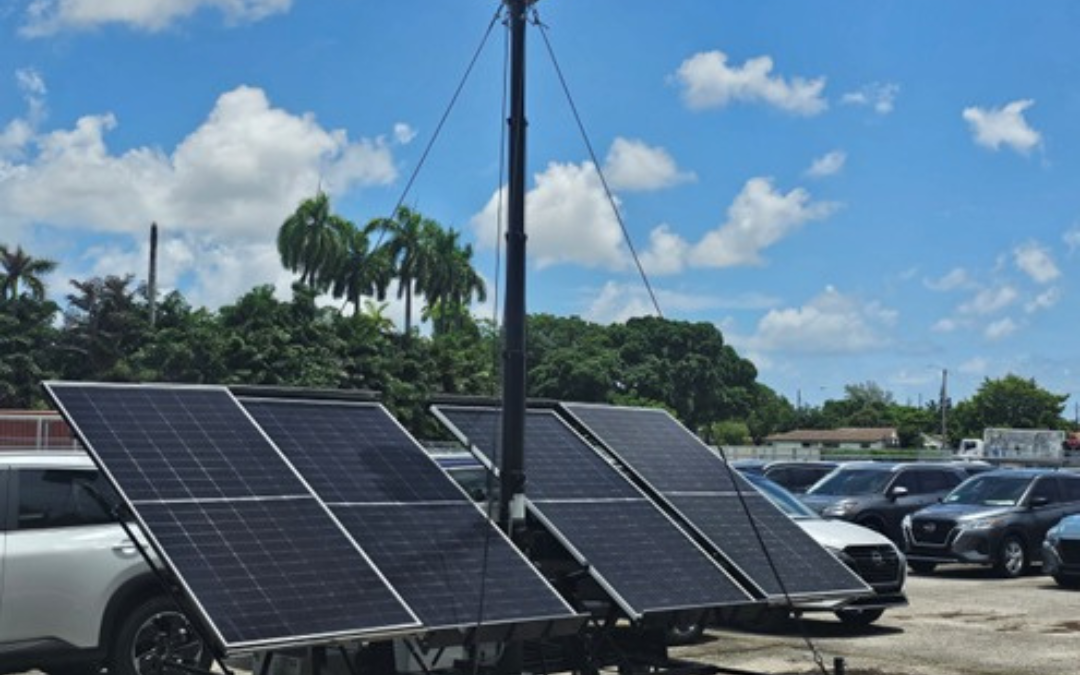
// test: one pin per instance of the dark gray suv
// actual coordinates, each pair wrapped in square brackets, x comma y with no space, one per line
[879,494]
[997,518]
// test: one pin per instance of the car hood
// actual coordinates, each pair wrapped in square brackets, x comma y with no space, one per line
[1069,527]
[960,511]
[821,502]
[839,534]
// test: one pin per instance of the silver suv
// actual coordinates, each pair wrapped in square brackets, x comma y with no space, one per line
[75,593]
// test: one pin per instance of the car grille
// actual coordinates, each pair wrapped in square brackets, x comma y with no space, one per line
[875,564]
[931,531]
[1070,551]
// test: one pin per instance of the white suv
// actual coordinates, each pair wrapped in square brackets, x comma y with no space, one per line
[75,593]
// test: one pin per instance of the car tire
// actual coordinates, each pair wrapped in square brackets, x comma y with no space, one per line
[1067,580]
[859,617]
[154,630]
[922,566]
[1011,560]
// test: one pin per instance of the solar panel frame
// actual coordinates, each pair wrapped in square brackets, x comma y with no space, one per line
[694,479]
[451,498]
[556,525]
[301,493]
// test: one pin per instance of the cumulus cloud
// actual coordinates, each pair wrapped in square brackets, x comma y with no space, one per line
[831,323]
[954,279]
[48,17]
[567,204]
[827,165]
[990,300]
[403,133]
[1000,329]
[228,185]
[994,127]
[708,81]
[880,97]
[616,302]
[1036,261]
[1045,300]
[759,217]
[666,253]
[17,134]
[633,165]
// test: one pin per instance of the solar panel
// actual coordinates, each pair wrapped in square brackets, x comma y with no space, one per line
[709,497]
[260,557]
[452,566]
[635,552]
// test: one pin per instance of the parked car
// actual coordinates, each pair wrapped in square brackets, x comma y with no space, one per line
[879,494]
[793,475]
[869,554]
[1061,552]
[75,594]
[997,518]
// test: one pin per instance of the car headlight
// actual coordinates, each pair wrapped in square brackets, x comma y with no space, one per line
[982,524]
[840,509]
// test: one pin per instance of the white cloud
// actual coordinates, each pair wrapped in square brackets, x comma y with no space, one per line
[879,96]
[1000,329]
[1045,300]
[228,185]
[976,365]
[759,217]
[633,165]
[709,82]
[667,252]
[1072,238]
[48,17]
[956,278]
[1035,261]
[567,204]
[994,127]
[946,325]
[990,300]
[616,302]
[17,134]
[403,133]
[831,323]
[827,165]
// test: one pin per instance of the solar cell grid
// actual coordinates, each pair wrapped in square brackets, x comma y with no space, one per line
[256,551]
[434,546]
[701,490]
[558,463]
[352,452]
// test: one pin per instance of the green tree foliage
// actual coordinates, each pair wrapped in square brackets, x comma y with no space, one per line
[21,273]
[1011,402]
[105,323]
[27,343]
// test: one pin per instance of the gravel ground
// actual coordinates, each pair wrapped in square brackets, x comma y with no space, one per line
[961,621]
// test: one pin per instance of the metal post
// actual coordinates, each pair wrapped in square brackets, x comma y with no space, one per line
[944,405]
[512,474]
[152,282]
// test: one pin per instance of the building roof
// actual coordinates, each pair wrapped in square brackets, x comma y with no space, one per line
[844,435]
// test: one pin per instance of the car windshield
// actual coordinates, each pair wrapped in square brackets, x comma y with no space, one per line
[783,499]
[989,490]
[852,482]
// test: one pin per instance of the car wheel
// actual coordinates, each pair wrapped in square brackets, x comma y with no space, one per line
[922,566]
[685,632]
[1011,559]
[859,617]
[152,635]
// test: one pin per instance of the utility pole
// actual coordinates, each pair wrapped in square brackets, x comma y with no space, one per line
[152,282]
[944,405]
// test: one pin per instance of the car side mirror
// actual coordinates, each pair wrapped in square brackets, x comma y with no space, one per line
[1038,501]
[898,491]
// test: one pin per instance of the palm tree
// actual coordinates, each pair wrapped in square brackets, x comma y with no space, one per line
[451,280]
[407,249]
[310,242]
[360,271]
[20,269]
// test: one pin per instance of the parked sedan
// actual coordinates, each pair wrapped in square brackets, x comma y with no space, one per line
[873,557]
[997,518]
[1061,552]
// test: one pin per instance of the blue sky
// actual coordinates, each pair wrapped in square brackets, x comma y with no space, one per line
[851,191]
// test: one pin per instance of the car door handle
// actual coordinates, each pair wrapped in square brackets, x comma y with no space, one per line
[126,547]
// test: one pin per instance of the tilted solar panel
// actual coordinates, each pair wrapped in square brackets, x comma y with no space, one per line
[452,566]
[635,552]
[260,557]
[709,497]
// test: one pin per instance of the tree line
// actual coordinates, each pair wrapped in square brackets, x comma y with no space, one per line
[104,333]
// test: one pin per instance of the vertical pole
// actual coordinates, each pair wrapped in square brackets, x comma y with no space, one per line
[512,473]
[944,405]
[152,282]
